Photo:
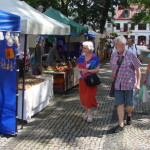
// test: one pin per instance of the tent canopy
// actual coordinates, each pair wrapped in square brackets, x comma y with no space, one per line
[32,21]
[75,27]
[9,21]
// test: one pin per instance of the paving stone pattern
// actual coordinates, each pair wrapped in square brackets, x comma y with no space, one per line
[60,125]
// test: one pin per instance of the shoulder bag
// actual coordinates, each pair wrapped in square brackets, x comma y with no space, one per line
[92,80]
[112,88]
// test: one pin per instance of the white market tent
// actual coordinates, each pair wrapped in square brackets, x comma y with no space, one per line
[32,21]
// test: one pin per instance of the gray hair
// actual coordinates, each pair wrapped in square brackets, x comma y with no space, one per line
[89,44]
[121,39]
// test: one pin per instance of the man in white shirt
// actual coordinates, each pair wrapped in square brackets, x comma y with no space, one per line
[132,47]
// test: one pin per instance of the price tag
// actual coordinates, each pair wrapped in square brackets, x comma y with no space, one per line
[9,53]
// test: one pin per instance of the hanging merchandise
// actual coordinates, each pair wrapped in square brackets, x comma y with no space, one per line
[7,84]
[9,44]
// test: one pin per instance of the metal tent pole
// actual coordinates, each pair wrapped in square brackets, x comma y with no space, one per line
[24,71]
[17,77]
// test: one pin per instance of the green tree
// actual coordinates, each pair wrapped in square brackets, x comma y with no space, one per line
[61,5]
[95,12]
[143,14]
[91,12]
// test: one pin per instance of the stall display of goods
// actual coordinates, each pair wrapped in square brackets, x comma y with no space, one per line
[64,74]
[30,81]
[63,66]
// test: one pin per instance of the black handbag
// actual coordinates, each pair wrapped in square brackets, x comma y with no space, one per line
[92,80]
[112,88]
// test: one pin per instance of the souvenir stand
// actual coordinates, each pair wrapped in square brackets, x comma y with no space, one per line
[9,32]
[66,74]
[33,96]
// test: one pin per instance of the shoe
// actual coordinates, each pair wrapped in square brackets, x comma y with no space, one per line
[129,120]
[85,117]
[89,119]
[118,129]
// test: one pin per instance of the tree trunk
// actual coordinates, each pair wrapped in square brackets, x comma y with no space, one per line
[104,16]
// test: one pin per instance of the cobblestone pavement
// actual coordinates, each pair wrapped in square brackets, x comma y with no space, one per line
[60,125]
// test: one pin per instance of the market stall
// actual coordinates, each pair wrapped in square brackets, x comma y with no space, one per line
[9,31]
[68,78]
[33,23]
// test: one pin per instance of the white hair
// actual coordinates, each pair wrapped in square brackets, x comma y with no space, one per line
[89,44]
[121,39]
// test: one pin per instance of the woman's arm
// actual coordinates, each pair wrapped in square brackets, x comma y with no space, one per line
[94,70]
[84,71]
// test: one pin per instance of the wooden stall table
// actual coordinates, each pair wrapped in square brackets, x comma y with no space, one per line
[63,80]
[60,80]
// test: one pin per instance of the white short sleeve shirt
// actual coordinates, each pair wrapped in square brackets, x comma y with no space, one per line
[134,49]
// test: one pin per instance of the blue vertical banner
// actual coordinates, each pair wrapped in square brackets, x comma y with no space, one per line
[8,51]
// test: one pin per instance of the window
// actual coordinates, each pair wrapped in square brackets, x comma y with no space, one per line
[117,26]
[132,26]
[125,14]
[108,25]
[133,37]
[142,27]
[125,27]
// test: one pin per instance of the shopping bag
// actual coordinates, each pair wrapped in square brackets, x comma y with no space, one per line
[146,96]
[143,95]
[148,81]
[140,94]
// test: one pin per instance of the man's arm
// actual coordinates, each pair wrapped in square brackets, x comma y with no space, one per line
[112,75]
[138,76]
[147,71]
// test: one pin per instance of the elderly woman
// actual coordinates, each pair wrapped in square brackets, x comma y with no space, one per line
[128,79]
[88,63]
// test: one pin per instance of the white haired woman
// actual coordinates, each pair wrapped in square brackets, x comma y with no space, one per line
[128,79]
[88,63]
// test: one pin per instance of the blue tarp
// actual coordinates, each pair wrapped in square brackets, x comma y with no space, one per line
[9,21]
[8,50]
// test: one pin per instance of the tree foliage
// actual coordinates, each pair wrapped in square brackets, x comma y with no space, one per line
[91,12]
[143,15]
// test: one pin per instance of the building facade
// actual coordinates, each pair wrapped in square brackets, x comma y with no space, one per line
[123,26]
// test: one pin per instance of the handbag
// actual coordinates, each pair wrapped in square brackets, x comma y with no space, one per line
[92,80]
[112,88]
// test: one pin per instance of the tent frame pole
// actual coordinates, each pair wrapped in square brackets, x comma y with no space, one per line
[17,77]
[24,72]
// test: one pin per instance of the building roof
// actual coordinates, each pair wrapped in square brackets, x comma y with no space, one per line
[119,12]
